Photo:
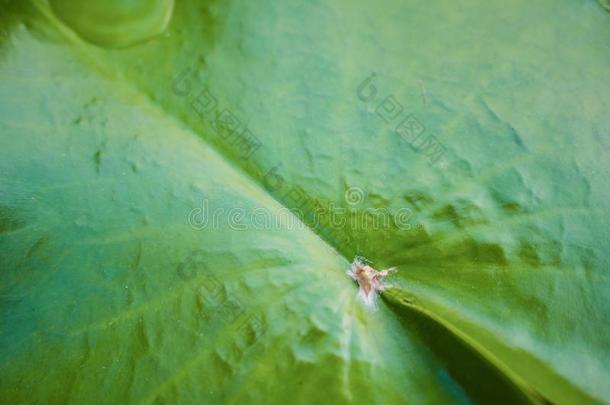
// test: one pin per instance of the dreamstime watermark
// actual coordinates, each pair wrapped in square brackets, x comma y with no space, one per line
[223,121]
[219,305]
[354,195]
[333,216]
[407,126]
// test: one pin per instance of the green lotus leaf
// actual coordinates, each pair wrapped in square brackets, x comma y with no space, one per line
[183,188]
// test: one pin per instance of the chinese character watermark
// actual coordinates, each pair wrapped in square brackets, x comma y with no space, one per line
[223,121]
[219,305]
[392,112]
